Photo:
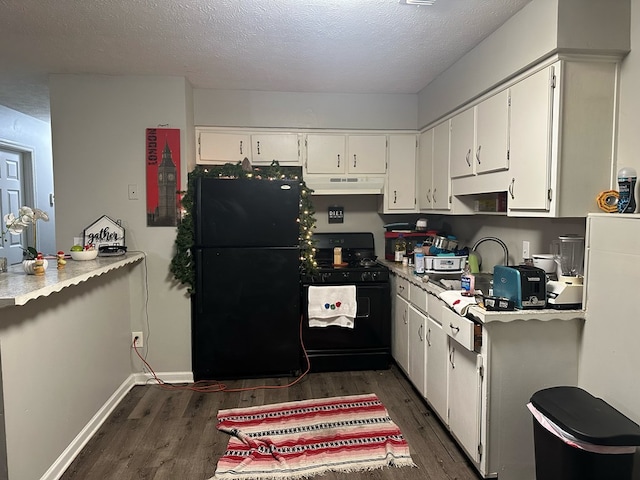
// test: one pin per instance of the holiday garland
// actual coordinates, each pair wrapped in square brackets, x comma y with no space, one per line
[182,266]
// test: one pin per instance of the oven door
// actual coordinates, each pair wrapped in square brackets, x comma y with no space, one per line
[370,337]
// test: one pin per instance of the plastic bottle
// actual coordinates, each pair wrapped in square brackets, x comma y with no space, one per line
[418,255]
[401,249]
[626,188]
[467,281]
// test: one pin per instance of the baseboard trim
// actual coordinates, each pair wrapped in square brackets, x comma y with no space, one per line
[165,377]
[61,464]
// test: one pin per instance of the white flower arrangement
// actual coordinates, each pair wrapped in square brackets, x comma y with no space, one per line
[16,224]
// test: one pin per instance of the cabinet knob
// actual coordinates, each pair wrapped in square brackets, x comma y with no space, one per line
[258,147]
[511,188]
[478,154]
[467,158]
[338,160]
[354,160]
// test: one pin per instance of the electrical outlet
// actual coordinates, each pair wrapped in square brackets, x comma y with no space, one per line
[525,250]
[137,338]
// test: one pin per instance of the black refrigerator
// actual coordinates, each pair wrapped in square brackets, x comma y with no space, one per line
[246,306]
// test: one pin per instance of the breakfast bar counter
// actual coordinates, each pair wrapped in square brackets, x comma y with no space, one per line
[17,288]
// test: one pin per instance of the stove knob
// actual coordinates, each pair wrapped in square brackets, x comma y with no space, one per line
[345,275]
[367,276]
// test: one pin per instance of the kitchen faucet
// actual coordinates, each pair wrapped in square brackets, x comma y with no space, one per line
[499,242]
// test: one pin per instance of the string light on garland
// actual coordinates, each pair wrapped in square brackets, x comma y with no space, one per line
[182,266]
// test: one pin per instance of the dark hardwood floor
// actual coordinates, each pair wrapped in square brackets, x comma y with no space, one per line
[157,434]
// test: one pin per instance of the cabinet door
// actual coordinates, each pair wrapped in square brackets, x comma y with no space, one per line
[283,147]
[216,148]
[492,134]
[530,142]
[441,192]
[462,141]
[367,154]
[425,170]
[401,180]
[464,397]
[437,356]
[417,351]
[400,343]
[326,153]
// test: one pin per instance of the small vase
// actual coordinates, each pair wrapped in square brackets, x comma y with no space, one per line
[28,265]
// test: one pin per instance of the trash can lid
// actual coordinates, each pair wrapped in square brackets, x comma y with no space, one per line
[586,417]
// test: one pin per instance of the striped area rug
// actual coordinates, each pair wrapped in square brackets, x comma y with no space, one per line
[310,437]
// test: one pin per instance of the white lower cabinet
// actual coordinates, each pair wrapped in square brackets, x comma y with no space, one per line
[400,341]
[437,345]
[465,407]
[417,350]
[479,377]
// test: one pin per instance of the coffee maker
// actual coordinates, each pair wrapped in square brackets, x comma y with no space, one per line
[566,291]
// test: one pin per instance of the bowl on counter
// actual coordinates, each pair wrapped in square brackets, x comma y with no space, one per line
[84,254]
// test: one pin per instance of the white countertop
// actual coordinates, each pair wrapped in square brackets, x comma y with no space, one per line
[479,313]
[17,288]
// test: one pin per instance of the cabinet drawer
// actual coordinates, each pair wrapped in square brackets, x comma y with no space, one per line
[402,288]
[461,329]
[418,297]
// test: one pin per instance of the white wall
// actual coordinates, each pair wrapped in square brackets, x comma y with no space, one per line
[224,108]
[98,126]
[27,134]
[541,28]
[63,357]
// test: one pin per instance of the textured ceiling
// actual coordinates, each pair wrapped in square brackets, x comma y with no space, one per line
[337,46]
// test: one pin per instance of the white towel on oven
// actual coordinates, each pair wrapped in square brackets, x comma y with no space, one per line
[332,305]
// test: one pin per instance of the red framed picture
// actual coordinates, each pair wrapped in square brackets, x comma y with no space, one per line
[163,176]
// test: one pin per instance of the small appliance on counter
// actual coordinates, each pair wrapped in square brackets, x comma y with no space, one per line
[524,285]
[566,291]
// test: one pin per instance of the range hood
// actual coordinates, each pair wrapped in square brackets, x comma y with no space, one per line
[345,185]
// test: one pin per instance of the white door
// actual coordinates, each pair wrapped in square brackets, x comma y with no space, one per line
[462,141]
[10,201]
[464,397]
[441,178]
[425,170]
[417,352]
[282,147]
[326,153]
[492,134]
[401,182]
[367,154]
[216,148]
[400,345]
[437,355]
[530,141]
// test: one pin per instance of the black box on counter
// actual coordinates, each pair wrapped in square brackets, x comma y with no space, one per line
[498,304]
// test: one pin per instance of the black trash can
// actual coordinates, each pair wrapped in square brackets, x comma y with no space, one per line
[591,440]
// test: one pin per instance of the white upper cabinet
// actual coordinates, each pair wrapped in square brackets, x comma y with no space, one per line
[326,153]
[433,189]
[282,147]
[462,143]
[546,139]
[480,137]
[367,154]
[400,188]
[424,170]
[218,148]
[337,154]
[441,191]
[492,134]
[531,123]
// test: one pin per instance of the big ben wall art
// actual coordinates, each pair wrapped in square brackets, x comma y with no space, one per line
[163,176]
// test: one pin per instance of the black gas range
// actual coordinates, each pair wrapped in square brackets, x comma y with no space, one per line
[366,346]
[358,257]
